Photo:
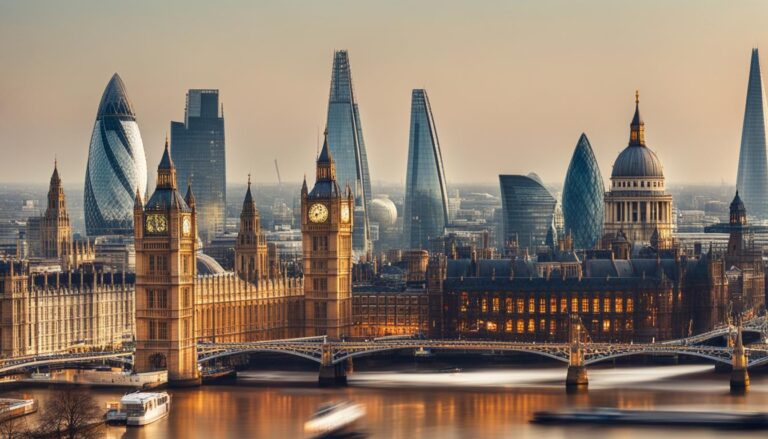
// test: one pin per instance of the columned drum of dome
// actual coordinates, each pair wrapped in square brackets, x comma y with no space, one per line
[752,180]
[426,196]
[637,204]
[116,165]
[345,139]
[583,192]
[528,210]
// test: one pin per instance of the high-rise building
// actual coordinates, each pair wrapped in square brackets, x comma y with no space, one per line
[426,195]
[326,229]
[637,205]
[197,147]
[116,166]
[528,211]
[752,180]
[345,139]
[583,192]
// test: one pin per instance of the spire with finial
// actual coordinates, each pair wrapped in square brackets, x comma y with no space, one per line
[637,127]
[189,198]
[137,203]
[166,171]
[326,167]
[249,206]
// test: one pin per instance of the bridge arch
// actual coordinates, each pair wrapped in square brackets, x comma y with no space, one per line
[591,361]
[233,352]
[343,356]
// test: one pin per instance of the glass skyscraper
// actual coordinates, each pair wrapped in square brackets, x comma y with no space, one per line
[528,210]
[116,167]
[345,138]
[583,197]
[197,149]
[752,180]
[426,195]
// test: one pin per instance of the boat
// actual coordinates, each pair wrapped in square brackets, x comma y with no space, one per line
[14,408]
[334,417]
[216,374]
[139,408]
[101,377]
[669,418]
[450,370]
[422,353]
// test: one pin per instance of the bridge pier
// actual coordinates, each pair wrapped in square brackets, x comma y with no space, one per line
[331,374]
[576,377]
[739,374]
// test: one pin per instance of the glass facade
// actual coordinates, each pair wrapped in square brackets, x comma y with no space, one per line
[583,197]
[197,149]
[345,138]
[528,211]
[752,180]
[426,195]
[116,165]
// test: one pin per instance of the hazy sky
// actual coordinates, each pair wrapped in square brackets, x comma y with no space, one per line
[512,84]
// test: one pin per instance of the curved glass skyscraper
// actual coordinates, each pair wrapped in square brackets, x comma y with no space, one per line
[426,196]
[528,210]
[116,165]
[583,197]
[752,180]
[345,138]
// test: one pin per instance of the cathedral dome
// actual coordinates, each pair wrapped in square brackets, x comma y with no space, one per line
[637,161]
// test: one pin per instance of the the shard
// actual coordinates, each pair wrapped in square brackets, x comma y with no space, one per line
[116,167]
[583,197]
[345,138]
[426,195]
[752,180]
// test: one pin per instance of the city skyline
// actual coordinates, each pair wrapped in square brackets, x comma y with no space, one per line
[520,87]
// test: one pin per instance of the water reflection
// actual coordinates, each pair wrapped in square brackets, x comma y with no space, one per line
[472,403]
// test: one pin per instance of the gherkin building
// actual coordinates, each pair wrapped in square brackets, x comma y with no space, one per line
[583,192]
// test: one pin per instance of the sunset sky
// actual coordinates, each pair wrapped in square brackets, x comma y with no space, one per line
[512,84]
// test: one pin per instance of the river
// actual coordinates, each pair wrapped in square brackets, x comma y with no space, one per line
[414,403]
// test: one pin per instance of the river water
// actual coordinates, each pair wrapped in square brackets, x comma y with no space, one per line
[415,403]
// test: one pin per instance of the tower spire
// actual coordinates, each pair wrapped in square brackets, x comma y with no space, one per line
[637,127]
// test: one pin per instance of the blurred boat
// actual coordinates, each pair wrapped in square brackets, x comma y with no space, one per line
[333,418]
[612,416]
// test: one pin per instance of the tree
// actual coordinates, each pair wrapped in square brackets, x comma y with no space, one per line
[13,428]
[71,413]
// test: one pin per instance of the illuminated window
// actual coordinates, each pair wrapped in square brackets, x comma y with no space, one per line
[575,304]
[508,325]
[553,305]
[464,302]
[484,306]
[630,304]
[595,305]
[520,326]
[628,325]
[584,304]
[520,305]
[542,325]
[552,327]
[531,305]
[607,305]
[563,305]
[531,325]
[542,306]
[491,326]
[606,325]
[495,304]
[508,305]
[619,304]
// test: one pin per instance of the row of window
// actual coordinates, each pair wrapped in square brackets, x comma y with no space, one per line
[520,305]
[643,184]
[523,326]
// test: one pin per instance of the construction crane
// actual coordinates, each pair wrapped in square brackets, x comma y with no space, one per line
[277,169]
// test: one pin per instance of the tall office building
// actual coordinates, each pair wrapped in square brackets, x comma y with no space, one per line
[752,180]
[197,148]
[583,192]
[345,139]
[116,167]
[426,195]
[528,211]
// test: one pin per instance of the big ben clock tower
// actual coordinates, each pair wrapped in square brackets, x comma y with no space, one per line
[165,232]
[326,229]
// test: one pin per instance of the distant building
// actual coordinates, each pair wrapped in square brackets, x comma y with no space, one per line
[637,204]
[528,211]
[583,192]
[197,148]
[752,180]
[426,194]
[345,139]
[116,168]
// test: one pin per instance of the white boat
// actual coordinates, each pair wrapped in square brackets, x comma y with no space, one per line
[140,408]
[101,377]
[13,408]
[334,417]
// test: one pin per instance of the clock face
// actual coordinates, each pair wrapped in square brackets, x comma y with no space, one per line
[186,226]
[345,213]
[156,223]
[318,213]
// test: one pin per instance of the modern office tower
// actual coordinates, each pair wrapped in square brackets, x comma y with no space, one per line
[345,139]
[197,148]
[116,166]
[426,196]
[637,206]
[528,211]
[583,192]
[752,180]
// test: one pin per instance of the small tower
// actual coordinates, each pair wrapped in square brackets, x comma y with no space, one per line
[55,229]
[251,245]
[326,229]
[738,224]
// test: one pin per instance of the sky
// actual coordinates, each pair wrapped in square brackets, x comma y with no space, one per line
[512,84]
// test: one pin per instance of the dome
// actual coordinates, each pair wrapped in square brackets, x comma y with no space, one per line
[637,161]
[206,265]
[383,211]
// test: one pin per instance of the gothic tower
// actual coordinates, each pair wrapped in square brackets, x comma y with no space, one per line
[738,222]
[165,235]
[55,230]
[326,229]
[251,245]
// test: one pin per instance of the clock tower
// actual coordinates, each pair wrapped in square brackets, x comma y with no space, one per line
[326,229]
[165,232]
